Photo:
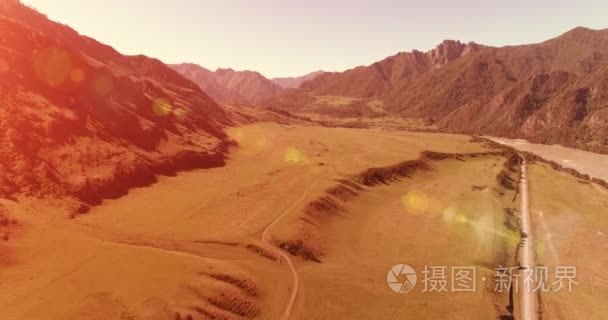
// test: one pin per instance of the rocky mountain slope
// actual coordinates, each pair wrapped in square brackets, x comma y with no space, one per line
[551,92]
[229,86]
[295,82]
[80,120]
[362,91]
[383,77]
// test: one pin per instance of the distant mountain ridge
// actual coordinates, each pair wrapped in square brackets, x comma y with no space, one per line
[552,92]
[230,86]
[383,77]
[295,82]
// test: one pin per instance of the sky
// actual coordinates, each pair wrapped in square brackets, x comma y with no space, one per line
[294,37]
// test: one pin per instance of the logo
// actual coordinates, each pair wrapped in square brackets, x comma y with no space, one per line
[401,278]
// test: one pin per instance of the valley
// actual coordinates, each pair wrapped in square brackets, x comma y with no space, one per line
[171,241]
[185,244]
[466,181]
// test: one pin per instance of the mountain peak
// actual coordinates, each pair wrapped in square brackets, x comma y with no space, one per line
[583,32]
[226,70]
[227,85]
[449,50]
[580,29]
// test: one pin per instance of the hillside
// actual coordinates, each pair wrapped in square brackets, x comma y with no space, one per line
[229,86]
[80,120]
[551,92]
[360,92]
[295,82]
[384,77]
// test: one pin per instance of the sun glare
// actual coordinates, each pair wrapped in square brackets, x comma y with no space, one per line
[162,107]
[415,202]
[52,66]
[293,156]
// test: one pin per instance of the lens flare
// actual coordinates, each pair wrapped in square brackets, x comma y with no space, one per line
[238,135]
[512,238]
[180,114]
[103,85]
[261,142]
[548,243]
[77,75]
[449,214]
[461,218]
[482,220]
[52,66]
[162,107]
[540,248]
[415,202]
[456,215]
[251,140]
[293,156]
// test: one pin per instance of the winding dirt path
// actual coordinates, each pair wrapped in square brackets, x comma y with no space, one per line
[284,255]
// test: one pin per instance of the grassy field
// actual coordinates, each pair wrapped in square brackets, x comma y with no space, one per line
[340,111]
[571,223]
[335,100]
[190,244]
[434,218]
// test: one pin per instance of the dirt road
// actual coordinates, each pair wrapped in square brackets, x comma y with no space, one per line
[526,256]
[284,255]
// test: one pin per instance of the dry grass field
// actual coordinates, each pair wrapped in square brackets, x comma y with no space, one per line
[571,220]
[182,244]
[434,218]
[190,246]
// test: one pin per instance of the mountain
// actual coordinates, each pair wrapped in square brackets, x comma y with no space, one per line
[362,91]
[392,73]
[553,92]
[82,121]
[295,82]
[550,92]
[229,86]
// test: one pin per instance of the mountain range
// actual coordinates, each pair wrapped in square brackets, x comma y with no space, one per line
[244,87]
[78,119]
[550,92]
[230,86]
[296,82]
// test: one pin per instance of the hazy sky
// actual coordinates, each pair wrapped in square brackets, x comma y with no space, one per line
[290,38]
